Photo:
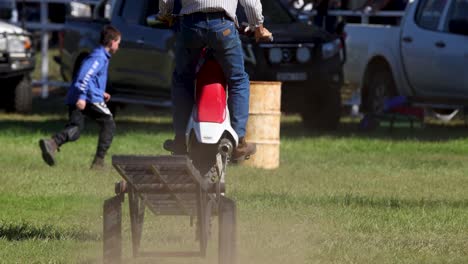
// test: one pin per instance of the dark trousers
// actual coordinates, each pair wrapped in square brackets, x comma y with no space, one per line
[97,112]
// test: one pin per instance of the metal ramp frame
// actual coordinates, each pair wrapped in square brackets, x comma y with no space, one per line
[167,185]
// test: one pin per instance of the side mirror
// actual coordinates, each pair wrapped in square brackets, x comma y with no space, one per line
[154,22]
[458,26]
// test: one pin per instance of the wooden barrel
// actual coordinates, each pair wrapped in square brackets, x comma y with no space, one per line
[263,127]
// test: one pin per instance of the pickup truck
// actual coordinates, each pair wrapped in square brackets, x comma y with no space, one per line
[425,58]
[306,59]
[16,64]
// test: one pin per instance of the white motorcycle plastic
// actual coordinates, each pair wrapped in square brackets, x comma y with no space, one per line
[210,138]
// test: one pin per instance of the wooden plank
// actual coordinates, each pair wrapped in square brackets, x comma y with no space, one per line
[174,195]
[149,160]
[160,188]
[178,162]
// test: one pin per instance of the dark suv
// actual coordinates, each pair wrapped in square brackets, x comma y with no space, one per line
[307,60]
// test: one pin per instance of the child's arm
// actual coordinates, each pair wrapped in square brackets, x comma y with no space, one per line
[88,69]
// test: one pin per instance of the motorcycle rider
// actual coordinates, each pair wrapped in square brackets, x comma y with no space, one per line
[211,24]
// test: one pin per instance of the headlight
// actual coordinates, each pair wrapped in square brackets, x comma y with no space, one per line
[330,49]
[15,45]
[3,44]
[303,54]
[275,55]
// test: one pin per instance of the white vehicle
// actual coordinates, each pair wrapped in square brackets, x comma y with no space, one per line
[16,65]
[425,58]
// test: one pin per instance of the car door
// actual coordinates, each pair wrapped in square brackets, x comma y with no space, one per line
[144,63]
[420,47]
[453,52]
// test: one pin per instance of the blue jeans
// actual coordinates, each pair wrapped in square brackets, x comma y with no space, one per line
[330,22]
[218,33]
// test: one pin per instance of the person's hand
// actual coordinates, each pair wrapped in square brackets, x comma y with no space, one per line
[263,35]
[107,97]
[81,104]
[168,20]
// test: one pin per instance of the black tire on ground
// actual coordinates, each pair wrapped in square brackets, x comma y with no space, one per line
[322,109]
[23,96]
[227,251]
[19,95]
[380,86]
[7,99]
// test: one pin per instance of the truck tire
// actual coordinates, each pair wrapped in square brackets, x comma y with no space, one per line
[380,86]
[23,96]
[19,98]
[322,109]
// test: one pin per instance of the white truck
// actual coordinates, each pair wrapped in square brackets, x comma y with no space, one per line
[424,58]
[16,64]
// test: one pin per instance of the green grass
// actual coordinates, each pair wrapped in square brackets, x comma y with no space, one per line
[54,68]
[343,197]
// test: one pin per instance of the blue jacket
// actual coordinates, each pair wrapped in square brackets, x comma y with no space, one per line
[90,82]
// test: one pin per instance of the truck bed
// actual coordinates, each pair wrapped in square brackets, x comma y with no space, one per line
[364,42]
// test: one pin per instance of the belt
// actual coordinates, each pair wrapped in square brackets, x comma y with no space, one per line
[207,16]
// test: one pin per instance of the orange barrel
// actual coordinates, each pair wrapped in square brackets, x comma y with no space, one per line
[263,127]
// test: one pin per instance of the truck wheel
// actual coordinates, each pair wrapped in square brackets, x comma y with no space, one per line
[19,95]
[322,110]
[23,96]
[380,87]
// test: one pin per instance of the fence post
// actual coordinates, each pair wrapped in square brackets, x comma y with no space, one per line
[44,49]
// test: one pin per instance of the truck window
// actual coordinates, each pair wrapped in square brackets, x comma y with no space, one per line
[129,12]
[104,10]
[109,9]
[152,8]
[458,11]
[6,9]
[273,12]
[429,13]
[80,10]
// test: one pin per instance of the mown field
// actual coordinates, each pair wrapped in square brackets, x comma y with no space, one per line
[343,197]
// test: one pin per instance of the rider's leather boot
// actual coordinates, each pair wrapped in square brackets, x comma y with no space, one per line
[176,146]
[244,150]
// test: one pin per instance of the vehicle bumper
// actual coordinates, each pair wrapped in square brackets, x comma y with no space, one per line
[11,67]
[301,82]
[321,71]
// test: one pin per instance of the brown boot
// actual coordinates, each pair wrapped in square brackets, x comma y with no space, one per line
[244,150]
[98,164]
[48,148]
